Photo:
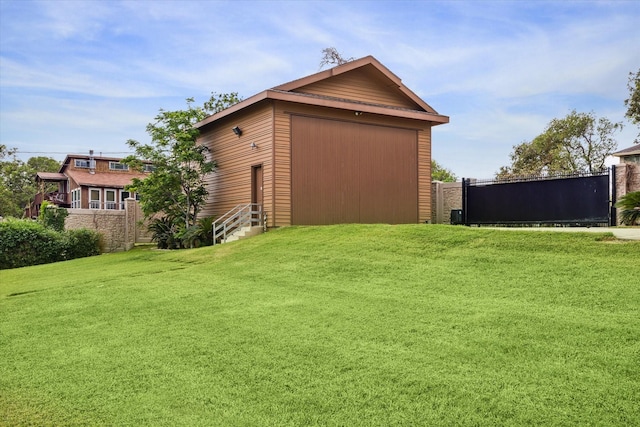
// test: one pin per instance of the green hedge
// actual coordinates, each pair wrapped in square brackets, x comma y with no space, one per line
[24,243]
[82,243]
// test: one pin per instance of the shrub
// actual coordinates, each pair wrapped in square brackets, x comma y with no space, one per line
[51,216]
[82,243]
[163,232]
[206,230]
[200,234]
[630,205]
[24,243]
[170,233]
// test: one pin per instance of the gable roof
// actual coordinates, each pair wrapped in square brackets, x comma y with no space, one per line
[634,149]
[306,90]
[111,180]
[96,179]
[51,176]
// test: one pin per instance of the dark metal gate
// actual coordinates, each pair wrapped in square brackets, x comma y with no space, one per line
[576,199]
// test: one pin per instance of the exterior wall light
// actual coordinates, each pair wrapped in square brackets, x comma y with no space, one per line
[253,146]
[237,130]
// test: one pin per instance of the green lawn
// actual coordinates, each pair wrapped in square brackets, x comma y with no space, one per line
[338,326]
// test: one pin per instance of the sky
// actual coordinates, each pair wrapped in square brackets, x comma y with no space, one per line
[89,75]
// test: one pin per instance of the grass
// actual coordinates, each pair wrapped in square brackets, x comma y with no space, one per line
[339,325]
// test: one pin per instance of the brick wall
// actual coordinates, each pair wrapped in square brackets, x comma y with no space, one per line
[109,223]
[627,181]
[120,229]
[446,196]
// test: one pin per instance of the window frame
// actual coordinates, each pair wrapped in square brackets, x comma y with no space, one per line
[111,204]
[76,198]
[118,166]
[92,202]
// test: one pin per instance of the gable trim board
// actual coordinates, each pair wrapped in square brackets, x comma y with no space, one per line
[377,163]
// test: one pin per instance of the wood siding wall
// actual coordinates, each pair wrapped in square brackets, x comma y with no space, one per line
[359,85]
[102,166]
[268,125]
[230,184]
[424,175]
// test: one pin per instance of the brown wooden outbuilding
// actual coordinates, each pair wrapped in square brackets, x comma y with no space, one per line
[350,144]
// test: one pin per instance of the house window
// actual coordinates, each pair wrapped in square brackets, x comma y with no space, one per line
[82,163]
[124,195]
[148,168]
[94,198]
[117,166]
[110,199]
[75,199]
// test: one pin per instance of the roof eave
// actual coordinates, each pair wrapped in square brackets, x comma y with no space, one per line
[234,108]
[633,150]
[433,117]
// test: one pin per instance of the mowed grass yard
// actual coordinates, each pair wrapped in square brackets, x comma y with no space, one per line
[340,326]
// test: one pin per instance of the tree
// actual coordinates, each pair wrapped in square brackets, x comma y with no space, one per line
[580,142]
[17,180]
[331,56]
[176,187]
[440,173]
[633,102]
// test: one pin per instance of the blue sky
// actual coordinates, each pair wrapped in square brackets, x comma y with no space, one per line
[81,75]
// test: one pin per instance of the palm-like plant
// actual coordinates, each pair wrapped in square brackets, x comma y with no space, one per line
[630,205]
[163,231]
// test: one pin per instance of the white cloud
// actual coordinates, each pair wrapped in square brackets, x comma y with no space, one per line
[501,70]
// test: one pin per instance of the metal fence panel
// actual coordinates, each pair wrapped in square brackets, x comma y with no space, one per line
[562,200]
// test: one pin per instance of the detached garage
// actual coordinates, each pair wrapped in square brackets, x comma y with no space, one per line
[347,145]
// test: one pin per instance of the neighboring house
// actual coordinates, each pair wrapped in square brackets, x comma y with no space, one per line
[629,155]
[86,182]
[351,144]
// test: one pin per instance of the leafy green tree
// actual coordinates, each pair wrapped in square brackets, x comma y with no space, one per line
[630,205]
[440,173]
[633,102]
[17,180]
[580,142]
[176,187]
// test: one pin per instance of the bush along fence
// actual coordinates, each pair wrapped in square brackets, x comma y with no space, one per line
[26,242]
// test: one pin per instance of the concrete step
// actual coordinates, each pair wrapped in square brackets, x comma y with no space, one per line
[244,233]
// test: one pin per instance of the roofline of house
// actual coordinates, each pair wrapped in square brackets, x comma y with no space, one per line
[634,149]
[323,101]
[283,93]
[352,65]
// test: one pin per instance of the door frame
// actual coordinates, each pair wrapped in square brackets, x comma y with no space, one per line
[257,178]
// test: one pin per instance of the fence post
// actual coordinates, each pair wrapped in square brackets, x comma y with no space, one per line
[464,202]
[613,216]
[439,196]
[129,223]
